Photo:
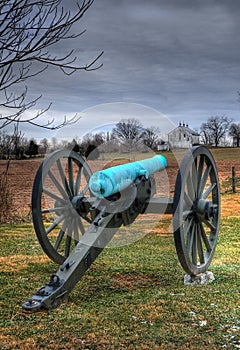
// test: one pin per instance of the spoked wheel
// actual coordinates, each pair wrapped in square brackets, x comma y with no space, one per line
[61,203]
[196,209]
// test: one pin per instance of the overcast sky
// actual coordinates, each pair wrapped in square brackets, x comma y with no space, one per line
[177,58]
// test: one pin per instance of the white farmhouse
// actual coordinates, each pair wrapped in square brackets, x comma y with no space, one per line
[183,137]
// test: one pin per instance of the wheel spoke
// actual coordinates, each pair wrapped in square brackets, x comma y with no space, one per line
[67,246]
[209,224]
[187,228]
[87,219]
[63,177]
[199,245]
[186,213]
[70,175]
[68,240]
[194,246]
[194,177]
[76,231]
[54,224]
[53,195]
[84,190]
[204,237]
[209,190]
[188,201]
[199,173]
[78,181]
[57,184]
[80,225]
[60,235]
[52,210]
[190,187]
[190,240]
[204,179]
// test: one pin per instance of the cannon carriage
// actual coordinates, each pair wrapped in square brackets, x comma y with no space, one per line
[76,213]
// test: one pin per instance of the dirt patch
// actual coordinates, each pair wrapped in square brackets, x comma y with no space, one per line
[230,205]
[130,281]
[21,177]
[116,162]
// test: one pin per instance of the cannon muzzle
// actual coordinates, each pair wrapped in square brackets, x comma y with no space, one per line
[107,182]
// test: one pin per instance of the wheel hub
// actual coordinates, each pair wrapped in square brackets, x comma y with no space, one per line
[205,208]
[81,205]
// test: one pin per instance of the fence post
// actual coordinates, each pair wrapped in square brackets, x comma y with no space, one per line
[233,180]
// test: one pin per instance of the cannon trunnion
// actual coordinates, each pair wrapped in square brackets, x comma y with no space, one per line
[76,214]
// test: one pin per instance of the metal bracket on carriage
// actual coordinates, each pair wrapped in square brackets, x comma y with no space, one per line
[127,204]
[47,297]
[116,202]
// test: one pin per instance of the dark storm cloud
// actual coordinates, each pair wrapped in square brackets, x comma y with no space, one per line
[179,57]
[167,47]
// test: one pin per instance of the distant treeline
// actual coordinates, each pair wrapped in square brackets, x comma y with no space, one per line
[128,135]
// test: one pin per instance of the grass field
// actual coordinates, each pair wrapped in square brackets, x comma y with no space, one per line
[133,297]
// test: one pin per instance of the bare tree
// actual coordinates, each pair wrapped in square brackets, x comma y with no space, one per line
[44,146]
[234,131]
[151,136]
[5,145]
[90,143]
[205,134]
[54,143]
[12,145]
[18,142]
[5,195]
[215,129]
[28,31]
[129,133]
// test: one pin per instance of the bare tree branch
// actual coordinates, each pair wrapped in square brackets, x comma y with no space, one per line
[215,129]
[28,31]
[234,131]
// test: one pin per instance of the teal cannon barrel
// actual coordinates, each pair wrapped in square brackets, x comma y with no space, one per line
[116,179]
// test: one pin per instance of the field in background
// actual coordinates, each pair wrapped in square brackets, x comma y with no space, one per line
[21,175]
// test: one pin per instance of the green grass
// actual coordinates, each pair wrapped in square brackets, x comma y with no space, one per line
[132,297]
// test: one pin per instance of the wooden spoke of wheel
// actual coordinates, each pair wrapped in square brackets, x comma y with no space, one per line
[63,177]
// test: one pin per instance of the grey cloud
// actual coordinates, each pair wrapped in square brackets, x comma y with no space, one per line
[178,56]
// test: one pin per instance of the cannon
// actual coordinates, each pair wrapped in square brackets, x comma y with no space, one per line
[76,213]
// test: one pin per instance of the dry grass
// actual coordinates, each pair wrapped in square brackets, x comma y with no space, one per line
[133,297]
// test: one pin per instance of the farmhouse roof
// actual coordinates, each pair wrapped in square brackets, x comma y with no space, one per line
[185,127]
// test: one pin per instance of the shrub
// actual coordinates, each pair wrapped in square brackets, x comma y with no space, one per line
[5,195]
